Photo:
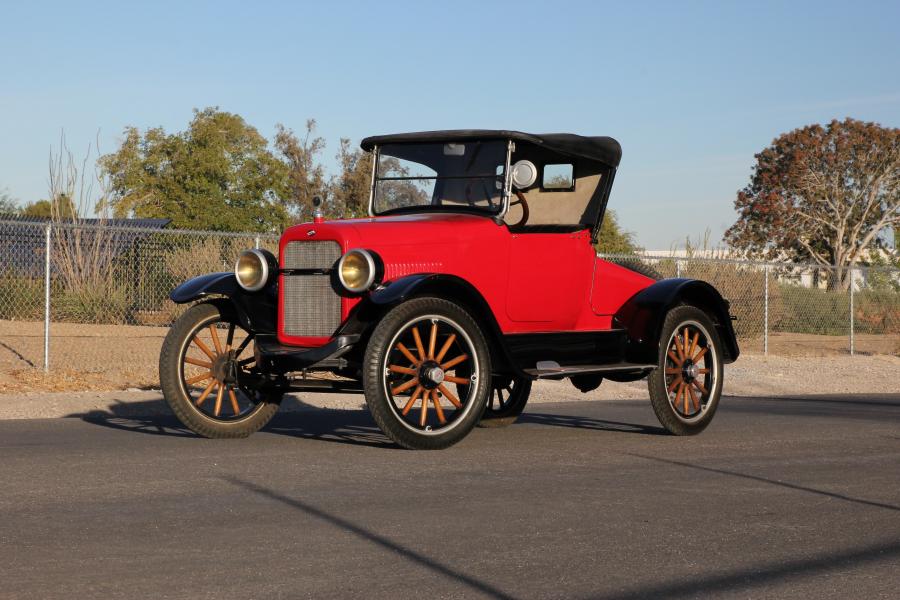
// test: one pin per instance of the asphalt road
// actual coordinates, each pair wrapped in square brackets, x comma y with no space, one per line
[778,498]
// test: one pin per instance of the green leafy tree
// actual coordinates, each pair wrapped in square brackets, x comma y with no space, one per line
[822,194]
[613,239]
[306,176]
[62,207]
[219,174]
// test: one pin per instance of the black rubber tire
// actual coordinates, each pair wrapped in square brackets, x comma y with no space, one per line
[656,381]
[508,415]
[173,390]
[638,266]
[373,374]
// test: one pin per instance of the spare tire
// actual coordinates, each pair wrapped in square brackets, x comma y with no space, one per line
[638,266]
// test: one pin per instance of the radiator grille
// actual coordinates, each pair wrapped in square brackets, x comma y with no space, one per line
[311,306]
[311,255]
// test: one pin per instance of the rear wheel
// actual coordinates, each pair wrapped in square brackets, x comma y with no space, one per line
[508,399]
[427,374]
[204,370]
[686,386]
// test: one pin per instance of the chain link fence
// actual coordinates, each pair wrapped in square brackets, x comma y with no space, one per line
[93,299]
[798,309]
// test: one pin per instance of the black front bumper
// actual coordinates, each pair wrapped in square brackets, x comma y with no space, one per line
[274,357]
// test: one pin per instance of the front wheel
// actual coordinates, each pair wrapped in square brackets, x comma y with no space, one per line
[427,374]
[205,367]
[686,386]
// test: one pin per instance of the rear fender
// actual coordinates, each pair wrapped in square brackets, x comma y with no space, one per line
[643,315]
[257,312]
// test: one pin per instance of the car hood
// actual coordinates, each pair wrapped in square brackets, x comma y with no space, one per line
[378,232]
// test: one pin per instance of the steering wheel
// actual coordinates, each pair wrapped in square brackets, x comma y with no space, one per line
[520,199]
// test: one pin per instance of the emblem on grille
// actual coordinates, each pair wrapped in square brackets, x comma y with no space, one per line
[311,233]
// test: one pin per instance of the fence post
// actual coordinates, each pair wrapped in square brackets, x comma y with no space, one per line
[256,243]
[851,313]
[677,268]
[766,315]
[47,231]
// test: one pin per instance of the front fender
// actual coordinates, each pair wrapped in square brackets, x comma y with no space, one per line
[257,312]
[379,301]
[211,284]
[367,313]
[642,316]
[399,290]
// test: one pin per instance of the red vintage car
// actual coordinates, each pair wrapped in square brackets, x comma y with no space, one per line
[475,274]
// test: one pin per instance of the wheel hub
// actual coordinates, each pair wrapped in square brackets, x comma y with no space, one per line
[431,375]
[224,368]
[691,371]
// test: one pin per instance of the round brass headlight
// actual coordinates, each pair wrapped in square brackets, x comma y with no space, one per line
[356,270]
[251,270]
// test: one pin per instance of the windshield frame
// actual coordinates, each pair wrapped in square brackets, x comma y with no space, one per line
[497,216]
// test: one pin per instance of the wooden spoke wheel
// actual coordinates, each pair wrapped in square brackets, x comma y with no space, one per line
[427,373]
[685,389]
[207,371]
[508,399]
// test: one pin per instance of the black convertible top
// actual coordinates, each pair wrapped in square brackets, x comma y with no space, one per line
[600,148]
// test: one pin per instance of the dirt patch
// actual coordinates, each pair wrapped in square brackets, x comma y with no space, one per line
[116,357]
[82,357]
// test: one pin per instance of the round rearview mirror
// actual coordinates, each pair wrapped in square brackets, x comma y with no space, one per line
[524,174]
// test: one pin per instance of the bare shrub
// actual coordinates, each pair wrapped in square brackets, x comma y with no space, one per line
[210,255]
[878,311]
[83,258]
[101,301]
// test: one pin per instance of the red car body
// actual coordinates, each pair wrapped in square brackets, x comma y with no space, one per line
[578,291]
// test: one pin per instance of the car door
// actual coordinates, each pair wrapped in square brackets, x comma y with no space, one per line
[549,279]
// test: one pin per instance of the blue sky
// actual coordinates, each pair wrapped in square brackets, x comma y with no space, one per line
[691,90]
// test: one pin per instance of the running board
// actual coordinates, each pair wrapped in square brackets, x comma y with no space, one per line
[550,369]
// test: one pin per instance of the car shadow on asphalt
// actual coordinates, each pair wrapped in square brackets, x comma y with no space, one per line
[341,426]
[352,426]
[137,417]
[154,418]
[356,426]
[578,422]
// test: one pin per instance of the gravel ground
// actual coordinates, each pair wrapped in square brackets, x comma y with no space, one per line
[751,376]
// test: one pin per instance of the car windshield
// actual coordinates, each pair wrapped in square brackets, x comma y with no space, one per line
[440,176]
